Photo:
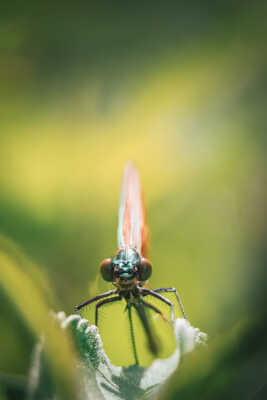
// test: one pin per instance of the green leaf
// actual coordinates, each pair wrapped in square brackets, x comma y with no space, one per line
[133,382]
[30,301]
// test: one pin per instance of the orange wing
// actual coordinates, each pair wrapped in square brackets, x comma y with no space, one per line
[132,228]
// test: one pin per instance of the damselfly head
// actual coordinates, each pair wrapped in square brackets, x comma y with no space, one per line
[127,264]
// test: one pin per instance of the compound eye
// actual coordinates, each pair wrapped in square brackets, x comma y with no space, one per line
[107,269]
[144,269]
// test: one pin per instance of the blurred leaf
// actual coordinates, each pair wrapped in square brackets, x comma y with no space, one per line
[29,300]
[14,386]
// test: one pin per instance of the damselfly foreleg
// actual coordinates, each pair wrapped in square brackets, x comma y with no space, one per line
[93,299]
[172,290]
[146,292]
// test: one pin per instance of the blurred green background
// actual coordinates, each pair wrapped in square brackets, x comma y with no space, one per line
[177,87]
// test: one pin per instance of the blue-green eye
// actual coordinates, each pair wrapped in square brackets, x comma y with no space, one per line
[144,269]
[107,269]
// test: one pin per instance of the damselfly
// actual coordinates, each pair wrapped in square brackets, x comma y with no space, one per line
[135,322]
